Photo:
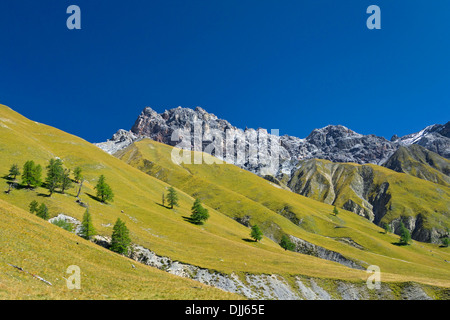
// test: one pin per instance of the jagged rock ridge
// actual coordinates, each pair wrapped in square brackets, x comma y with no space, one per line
[334,143]
[296,167]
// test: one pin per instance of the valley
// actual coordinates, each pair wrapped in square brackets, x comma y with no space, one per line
[331,251]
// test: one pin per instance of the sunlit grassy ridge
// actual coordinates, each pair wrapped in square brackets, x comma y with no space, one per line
[226,190]
[405,195]
[45,250]
[419,162]
[219,244]
[238,193]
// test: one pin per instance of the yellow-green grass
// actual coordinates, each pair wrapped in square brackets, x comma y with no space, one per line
[412,196]
[221,243]
[237,193]
[45,250]
[408,196]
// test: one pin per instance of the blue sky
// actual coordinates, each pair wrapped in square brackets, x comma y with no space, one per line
[288,65]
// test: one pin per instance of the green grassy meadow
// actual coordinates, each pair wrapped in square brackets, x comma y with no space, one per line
[139,176]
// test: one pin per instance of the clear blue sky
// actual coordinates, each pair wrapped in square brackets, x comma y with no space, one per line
[289,65]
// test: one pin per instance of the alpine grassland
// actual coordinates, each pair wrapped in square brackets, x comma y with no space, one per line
[244,196]
[235,199]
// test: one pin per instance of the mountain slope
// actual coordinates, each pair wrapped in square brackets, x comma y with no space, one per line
[419,162]
[47,251]
[435,138]
[250,199]
[380,195]
[222,243]
[137,202]
[333,142]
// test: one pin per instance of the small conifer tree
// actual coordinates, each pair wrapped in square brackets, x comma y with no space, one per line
[286,243]
[87,230]
[54,175]
[405,235]
[335,211]
[77,174]
[31,174]
[172,197]
[14,171]
[199,213]
[42,212]
[120,240]
[66,182]
[34,206]
[256,233]
[104,191]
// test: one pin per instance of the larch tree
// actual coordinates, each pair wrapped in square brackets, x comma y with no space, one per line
[172,197]
[104,191]
[54,175]
[87,230]
[120,239]
[14,171]
[199,213]
[256,233]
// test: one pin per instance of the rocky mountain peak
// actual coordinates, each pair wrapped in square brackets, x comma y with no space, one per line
[445,130]
[330,132]
[435,138]
[336,143]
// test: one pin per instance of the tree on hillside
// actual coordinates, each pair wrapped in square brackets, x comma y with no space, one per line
[31,174]
[77,174]
[405,235]
[172,197]
[54,175]
[335,211]
[27,173]
[37,175]
[286,243]
[66,182]
[445,242]
[120,240]
[387,228]
[163,200]
[256,233]
[34,206]
[42,212]
[14,171]
[104,191]
[199,213]
[87,230]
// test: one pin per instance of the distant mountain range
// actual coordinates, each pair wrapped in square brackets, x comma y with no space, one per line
[334,165]
[333,142]
[330,249]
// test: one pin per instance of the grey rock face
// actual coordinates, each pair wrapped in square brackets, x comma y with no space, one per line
[340,144]
[258,286]
[354,188]
[272,286]
[417,230]
[181,126]
[334,143]
[414,292]
[120,140]
[435,138]
[74,222]
[311,249]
